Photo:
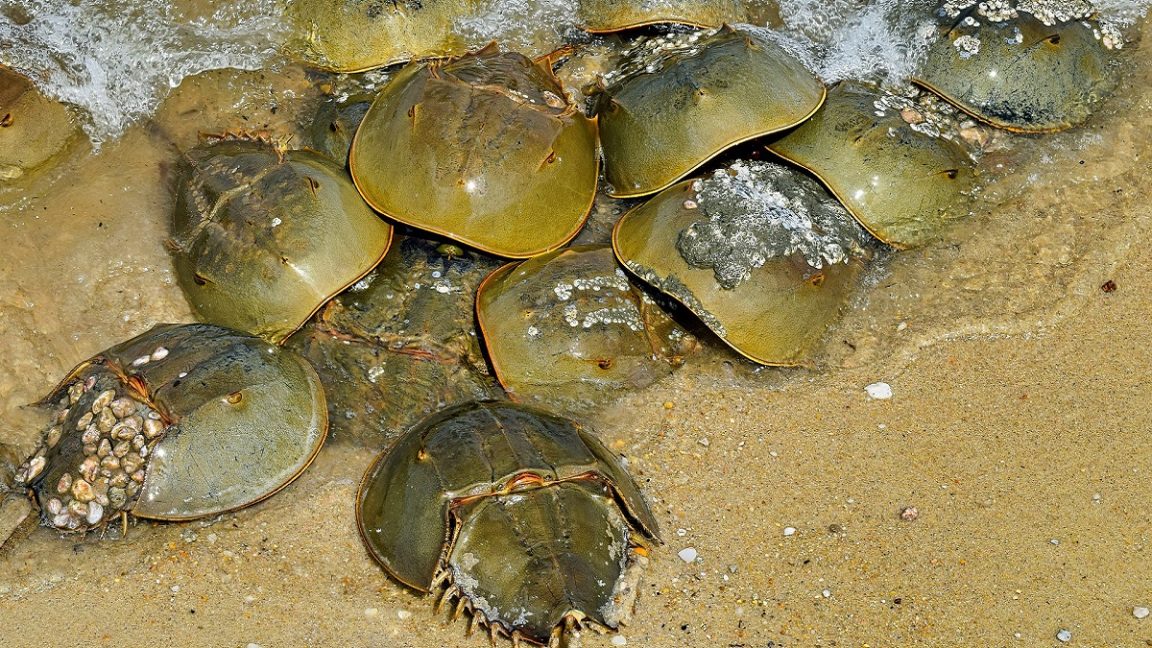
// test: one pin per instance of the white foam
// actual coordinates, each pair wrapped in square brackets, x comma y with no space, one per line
[883,41]
[514,23]
[886,39]
[116,59]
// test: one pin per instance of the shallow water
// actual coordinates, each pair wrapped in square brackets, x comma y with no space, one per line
[1019,417]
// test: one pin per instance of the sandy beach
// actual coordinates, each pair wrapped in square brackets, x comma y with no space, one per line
[1017,429]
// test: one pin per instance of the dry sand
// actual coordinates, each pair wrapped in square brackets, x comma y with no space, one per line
[1018,429]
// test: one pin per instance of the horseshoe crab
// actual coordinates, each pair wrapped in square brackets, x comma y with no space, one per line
[760,253]
[1021,65]
[182,422]
[335,125]
[568,329]
[888,159]
[358,35]
[601,16]
[262,237]
[496,156]
[33,128]
[680,99]
[532,523]
[402,343]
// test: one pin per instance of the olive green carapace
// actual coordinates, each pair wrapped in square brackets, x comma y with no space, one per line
[403,346]
[709,91]
[263,238]
[494,154]
[565,552]
[1023,75]
[237,420]
[601,16]
[429,508]
[335,125]
[358,35]
[904,186]
[33,128]
[568,330]
[774,317]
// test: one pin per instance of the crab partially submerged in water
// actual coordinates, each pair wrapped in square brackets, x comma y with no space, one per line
[526,518]
[1022,65]
[897,164]
[34,130]
[182,422]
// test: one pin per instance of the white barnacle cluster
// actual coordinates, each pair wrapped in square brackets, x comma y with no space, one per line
[626,313]
[616,281]
[1052,12]
[755,211]
[967,46]
[992,10]
[117,433]
[1108,33]
[928,114]
[650,55]
[1048,12]
[607,302]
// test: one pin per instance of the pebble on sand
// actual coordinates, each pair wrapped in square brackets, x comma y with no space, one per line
[789,531]
[909,513]
[619,640]
[1140,612]
[688,554]
[1064,636]
[879,391]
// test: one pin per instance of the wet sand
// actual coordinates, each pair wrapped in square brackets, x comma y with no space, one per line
[1018,429]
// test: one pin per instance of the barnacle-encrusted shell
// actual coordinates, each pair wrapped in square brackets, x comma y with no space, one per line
[207,420]
[568,329]
[760,253]
[905,182]
[1028,65]
[486,150]
[680,99]
[529,517]
[262,239]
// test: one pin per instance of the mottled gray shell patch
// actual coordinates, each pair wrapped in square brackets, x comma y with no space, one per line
[756,211]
